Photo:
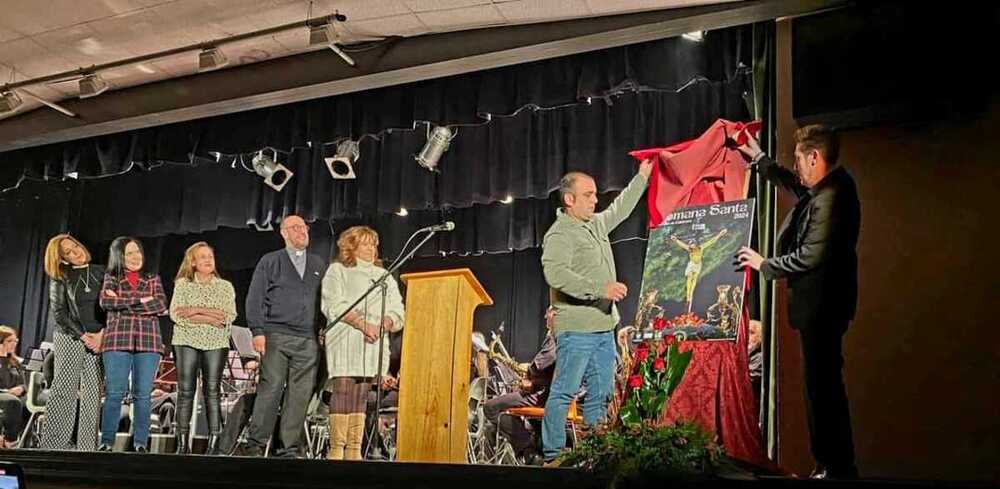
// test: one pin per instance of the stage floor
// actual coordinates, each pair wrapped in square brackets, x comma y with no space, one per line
[46,469]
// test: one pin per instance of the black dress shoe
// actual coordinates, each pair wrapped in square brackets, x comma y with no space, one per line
[104,448]
[248,451]
[533,458]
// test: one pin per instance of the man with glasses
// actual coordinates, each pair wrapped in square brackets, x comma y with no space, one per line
[281,310]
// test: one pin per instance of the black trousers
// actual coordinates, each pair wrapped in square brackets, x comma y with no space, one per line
[494,406]
[515,429]
[288,360]
[827,408]
[191,361]
[236,421]
[12,412]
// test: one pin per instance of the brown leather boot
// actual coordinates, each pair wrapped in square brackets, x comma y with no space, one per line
[338,436]
[355,434]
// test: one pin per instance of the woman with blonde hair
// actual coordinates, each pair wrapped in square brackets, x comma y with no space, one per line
[203,309]
[12,388]
[74,286]
[352,345]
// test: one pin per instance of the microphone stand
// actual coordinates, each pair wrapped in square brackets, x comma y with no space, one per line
[375,436]
[381,340]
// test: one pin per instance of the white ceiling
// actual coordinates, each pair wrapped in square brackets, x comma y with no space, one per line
[39,38]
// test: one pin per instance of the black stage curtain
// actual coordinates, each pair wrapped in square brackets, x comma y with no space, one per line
[178,184]
[521,156]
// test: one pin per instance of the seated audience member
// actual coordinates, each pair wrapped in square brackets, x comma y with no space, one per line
[13,387]
[533,391]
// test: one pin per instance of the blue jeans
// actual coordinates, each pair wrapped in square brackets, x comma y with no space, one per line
[580,358]
[118,365]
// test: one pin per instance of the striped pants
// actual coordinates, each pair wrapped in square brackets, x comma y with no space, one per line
[77,377]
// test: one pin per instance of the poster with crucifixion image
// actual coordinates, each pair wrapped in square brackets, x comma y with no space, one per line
[690,287]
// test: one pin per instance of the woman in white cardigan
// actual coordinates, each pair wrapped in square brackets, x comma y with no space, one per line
[352,345]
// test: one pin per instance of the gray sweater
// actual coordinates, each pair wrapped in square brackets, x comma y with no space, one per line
[281,301]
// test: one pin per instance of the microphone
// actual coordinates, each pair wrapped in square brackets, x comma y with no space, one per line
[445,226]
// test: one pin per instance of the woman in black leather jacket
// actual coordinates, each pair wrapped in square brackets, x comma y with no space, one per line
[74,287]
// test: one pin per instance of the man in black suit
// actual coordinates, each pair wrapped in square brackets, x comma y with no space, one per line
[816,253]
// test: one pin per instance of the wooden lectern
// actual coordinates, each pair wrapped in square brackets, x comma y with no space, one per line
[434,374]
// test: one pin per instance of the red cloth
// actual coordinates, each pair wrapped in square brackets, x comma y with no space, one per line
[133,278]
[716,391]
[699,171]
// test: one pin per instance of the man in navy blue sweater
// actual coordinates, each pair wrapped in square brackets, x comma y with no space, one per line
[282,307]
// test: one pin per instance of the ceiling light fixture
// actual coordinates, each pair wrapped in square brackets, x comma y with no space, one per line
[332,40]
[211,58]
[9,101]
[437,143]
[275,174]
[341,166]
[92,85]
[327,34]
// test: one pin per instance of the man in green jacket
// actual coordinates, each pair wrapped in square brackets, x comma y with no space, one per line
[583,284]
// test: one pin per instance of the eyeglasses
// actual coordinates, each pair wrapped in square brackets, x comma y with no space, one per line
[298,227]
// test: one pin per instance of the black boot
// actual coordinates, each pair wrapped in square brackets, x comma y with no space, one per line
[213,445]
[182,444]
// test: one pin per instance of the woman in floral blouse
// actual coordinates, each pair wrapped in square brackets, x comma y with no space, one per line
[203,309]
[131,344]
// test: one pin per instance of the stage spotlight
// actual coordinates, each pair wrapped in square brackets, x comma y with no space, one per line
[402,212]
[211,58]
[9,102]
[341,166]
[437,143]
[507,200]
[92,85]
[696,36]
[326,34]
[275,174]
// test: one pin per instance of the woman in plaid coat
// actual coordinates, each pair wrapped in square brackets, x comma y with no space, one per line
[131,346]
